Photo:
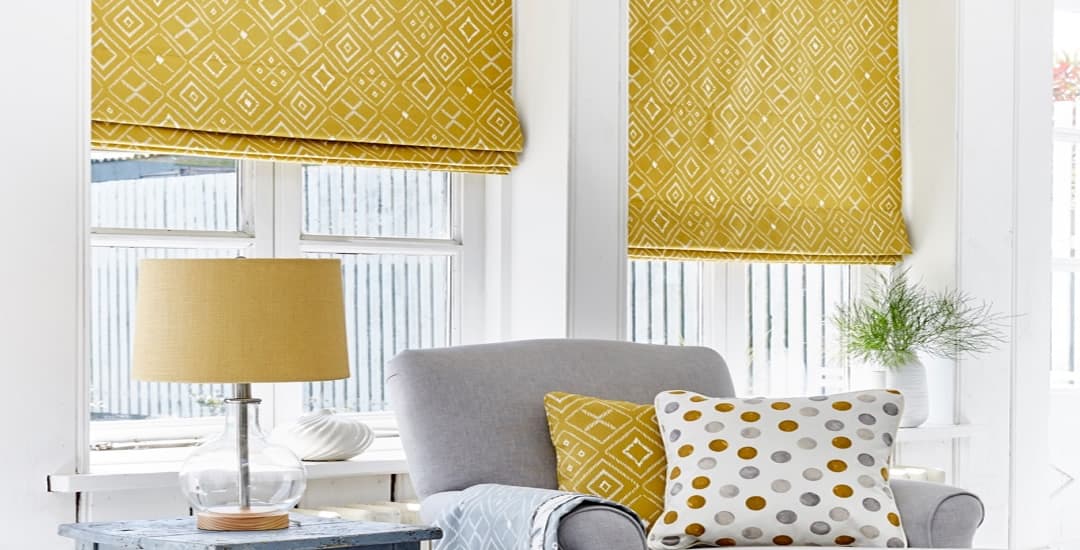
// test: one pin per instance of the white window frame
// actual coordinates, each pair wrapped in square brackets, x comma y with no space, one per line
[270,199]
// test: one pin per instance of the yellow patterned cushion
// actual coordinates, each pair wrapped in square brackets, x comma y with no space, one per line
[611,449]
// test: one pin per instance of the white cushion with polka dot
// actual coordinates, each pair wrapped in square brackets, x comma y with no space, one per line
[801,471]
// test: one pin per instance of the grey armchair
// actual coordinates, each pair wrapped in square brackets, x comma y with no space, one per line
[475,414]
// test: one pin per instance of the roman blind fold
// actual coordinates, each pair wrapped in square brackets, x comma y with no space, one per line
[765,131]
[420,84]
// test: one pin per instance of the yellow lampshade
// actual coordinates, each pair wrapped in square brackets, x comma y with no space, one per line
[240,321]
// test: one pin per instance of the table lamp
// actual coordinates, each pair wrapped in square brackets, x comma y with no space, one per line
[240,321]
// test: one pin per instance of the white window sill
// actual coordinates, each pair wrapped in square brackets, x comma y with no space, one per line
[159,468]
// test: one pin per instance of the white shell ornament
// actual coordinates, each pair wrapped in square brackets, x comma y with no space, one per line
[324,435]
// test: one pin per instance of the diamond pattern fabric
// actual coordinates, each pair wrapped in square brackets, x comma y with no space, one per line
[765,130]
[611,449]
[423,84]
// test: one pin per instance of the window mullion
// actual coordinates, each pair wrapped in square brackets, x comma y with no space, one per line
[286,192]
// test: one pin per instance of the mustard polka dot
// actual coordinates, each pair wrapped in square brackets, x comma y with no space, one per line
[696,501]
[837,465]
[686,450]
[781,406]
[894,392]
[750,416]
[675,473]
[843,491]
[747,453]
[691,416]
[789,426]
[844,540]
[725,542]
[885,474]
[695,529]
[841,442]
[676,392]
[718,445]
[893,519]
[697,399]
[700,482]
[671,517]
[724,407]
[842,406]
[755,503]
[782,540]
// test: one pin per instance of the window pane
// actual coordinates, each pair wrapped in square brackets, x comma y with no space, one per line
[1066,214]
[791,342]
[665,302]
[392,303]
[371,202]
[132,191]
[114,395]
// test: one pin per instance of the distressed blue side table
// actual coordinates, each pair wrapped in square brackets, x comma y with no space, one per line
[304,533]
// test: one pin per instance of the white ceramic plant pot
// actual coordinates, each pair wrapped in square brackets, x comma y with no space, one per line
[910,380]
[324,435]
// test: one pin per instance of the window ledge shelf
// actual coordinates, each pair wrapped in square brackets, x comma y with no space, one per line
[936,432]
[381,461]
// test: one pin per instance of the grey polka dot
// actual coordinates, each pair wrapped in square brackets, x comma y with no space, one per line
[729,491]
[819,397]
[750,433]
[724,518]
[820,528]
[887,438]
[753,401]
[866,398]
[808,411]
[867,481]
[674,435]
[834,425]
[887,491]
[787,517]
[895,543]
[866,460]
[671,407]
[867,419]
[752,533]
[670,541]
[781,485]
[812,474]
[809,499]
[869,531]
[707,463]
[871,504]
[864,434]
[839,514]
[891,409]
[749,472]
[781,457]
[713,427]
[676,488]
[807,443]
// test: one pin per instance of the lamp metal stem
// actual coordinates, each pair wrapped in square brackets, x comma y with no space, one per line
[243,395]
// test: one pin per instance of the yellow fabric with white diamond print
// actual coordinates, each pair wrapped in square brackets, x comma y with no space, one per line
[611,449]
[765,130]
[423,84]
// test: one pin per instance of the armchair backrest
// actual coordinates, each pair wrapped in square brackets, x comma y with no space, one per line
[475,414]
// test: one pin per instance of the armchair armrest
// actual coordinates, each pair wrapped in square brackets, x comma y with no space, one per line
[935,515]
[590,527]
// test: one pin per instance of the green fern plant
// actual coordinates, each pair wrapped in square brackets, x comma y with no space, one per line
[897,319]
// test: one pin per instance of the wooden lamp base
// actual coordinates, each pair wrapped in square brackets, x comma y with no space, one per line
[254,519]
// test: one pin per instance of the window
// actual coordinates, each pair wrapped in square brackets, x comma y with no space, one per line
[397,233]
[769,321]
[1066,210]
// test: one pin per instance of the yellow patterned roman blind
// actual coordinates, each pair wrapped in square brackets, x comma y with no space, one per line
[413,84]
[765,130]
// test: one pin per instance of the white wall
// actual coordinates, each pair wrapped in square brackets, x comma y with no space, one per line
[43,148]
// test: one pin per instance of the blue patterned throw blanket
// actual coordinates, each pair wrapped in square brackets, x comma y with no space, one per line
[505,517]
